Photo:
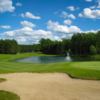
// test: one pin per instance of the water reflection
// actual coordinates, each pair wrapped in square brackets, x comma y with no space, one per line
[68,57]
[54,59]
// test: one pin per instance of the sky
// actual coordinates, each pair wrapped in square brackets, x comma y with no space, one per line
[27,21]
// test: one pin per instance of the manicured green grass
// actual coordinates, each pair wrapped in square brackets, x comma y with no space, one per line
[84,70]
[4,95]
[9,57]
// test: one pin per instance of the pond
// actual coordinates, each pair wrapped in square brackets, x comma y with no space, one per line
[54,59]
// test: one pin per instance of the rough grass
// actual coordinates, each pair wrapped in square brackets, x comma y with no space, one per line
[4,95]
[83,70]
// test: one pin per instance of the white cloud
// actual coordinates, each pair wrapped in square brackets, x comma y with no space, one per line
[18,4]
[56,27]
[96,5]
[66,15]
[88,0]
[93,7]
[74,29]
[30,15]
[71,8]
[27,24]
[68,22]
[98,1]
[27,35]
[91,31]
[9,33]
[90,13]
[6,6]
[5,26]
[71,16]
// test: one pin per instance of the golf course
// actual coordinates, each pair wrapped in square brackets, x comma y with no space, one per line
[49,49]
[83,70]
[33,74]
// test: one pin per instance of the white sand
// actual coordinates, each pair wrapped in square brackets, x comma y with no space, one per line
[50,86]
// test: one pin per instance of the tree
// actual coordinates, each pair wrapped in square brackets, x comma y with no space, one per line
[81,42]
[36,47]
[8,46]
[93,49]
[54,47]
[98,41]
[26,48]
[66,45]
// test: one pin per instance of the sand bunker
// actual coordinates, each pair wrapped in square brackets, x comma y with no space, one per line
[50,86]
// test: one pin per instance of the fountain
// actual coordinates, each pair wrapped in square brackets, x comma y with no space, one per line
[68,58]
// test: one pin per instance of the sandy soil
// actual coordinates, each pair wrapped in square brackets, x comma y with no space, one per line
[50,86]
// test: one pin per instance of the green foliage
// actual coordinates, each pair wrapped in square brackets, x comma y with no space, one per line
[98,41]
[5,95]
[93,49]
[12,47]
[36,47]
[8,47]
[81,42]
[54,47]
[25,48]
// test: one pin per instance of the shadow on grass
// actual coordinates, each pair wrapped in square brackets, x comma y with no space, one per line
[5,95]
[2,80]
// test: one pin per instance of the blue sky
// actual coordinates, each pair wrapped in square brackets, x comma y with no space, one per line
[27,21]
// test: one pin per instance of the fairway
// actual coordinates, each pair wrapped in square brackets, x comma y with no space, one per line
[49,49]
[83,70]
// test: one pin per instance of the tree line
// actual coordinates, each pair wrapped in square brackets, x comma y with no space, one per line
[8,47]
[78,44]
[12,47]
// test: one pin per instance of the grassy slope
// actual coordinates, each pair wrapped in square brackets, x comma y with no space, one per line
[4,95]
[84,70]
